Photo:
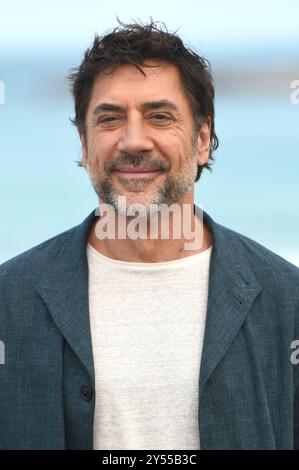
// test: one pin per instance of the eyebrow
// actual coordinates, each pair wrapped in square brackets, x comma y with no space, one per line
[152,105]
[146,106]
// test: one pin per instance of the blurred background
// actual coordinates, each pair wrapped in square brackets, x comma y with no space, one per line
[253,47]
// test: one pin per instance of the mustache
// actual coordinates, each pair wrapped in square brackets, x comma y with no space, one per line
[145,161]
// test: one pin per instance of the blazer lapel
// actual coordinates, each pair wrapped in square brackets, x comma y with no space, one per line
[64,289]
[232,291]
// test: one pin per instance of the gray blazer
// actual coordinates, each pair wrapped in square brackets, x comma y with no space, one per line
[248,386]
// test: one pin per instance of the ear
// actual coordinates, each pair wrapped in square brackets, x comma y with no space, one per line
[203,142]
[83,147]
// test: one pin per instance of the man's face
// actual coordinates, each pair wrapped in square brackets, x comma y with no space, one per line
[140,139]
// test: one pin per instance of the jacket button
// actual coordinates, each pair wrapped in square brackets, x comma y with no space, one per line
[86,392]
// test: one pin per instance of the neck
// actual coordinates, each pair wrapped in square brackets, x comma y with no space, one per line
[186,235]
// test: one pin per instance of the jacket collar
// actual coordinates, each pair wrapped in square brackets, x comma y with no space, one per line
[233,288]
[63,285]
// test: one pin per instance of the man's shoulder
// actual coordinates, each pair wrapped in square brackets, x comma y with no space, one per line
[260,259]
[29,263]
[61,247]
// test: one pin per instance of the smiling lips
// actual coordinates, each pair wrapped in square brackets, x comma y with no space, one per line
[133,172]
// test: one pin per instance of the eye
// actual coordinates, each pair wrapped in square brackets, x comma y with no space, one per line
[107,120]
[160,118]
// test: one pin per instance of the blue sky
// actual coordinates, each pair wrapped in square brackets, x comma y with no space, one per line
[70,23]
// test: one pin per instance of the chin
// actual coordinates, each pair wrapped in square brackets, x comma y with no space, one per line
[137,206]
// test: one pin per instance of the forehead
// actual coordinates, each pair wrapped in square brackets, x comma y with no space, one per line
[127,86]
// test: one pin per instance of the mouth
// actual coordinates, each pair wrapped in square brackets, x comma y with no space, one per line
[136,173]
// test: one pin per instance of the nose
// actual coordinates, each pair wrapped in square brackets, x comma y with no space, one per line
[135,137]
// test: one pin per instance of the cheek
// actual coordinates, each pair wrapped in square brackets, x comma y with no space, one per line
[169,142]
[176,149]
[179,140]
[99,149]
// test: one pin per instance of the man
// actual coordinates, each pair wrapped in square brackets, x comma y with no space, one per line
[120,342]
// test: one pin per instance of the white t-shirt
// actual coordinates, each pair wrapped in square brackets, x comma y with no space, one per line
[147,327]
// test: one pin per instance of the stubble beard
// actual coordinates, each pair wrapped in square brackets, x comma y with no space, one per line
[170,191]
